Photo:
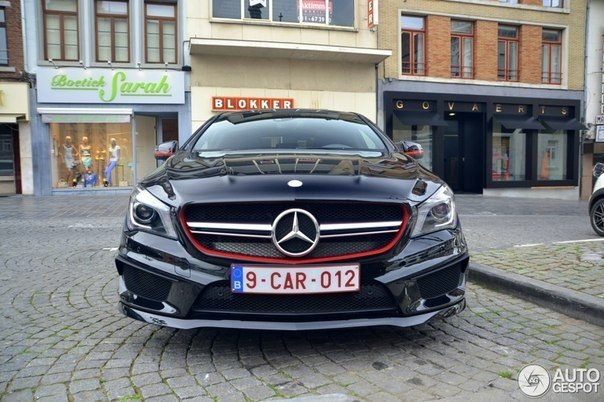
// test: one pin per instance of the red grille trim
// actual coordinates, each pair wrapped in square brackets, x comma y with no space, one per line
[296,261]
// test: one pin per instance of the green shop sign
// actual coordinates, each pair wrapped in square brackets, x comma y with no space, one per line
[73,85]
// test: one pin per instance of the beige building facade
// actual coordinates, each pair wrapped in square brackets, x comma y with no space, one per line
[318,54]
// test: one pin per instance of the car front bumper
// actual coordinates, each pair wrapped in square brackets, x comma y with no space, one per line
[163,283]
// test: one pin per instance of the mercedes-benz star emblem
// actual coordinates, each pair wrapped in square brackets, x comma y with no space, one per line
[295,232]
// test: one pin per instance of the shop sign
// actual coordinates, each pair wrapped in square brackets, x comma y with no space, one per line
[505,108]
[600,119]
[463,107]
[78,85]
[314,10]
[232,103]
[600,133]
[372,13]
[14,98]
[559,111]
[414,105]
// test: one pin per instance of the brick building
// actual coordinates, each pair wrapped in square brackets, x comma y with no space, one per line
[493,90]
[15,153]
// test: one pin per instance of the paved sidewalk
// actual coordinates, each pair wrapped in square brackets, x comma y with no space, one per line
[567,277]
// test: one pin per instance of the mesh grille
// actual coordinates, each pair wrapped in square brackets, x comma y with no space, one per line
[218,298]
[265,248]
[146,285]
[267,212]
[440,282]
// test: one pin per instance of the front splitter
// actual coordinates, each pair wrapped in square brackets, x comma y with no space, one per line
[292,326]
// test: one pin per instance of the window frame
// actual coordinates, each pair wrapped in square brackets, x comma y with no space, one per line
[507,43]
[161,20]
[550,3]
[271,20]
[412,45]
[3,25]
[547,77]
[461,36]
[112,17]
[61,15]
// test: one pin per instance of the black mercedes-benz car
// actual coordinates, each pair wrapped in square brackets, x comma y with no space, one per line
[291,220]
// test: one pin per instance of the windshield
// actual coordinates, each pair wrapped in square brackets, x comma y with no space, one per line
[289,133]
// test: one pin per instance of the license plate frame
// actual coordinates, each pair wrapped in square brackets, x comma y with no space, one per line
[287,279]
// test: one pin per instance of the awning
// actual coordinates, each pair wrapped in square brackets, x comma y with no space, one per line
[85,115]
[524,122]
[560,124]
[420,119]
[282,50]
[10,118]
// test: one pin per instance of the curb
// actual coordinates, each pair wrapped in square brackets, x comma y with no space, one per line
[565,301]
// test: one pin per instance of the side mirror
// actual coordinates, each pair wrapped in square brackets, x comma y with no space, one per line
[165,150]
[412,149]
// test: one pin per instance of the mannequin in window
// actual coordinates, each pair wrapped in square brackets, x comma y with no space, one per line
[114,156]
[69,157]
[86,153]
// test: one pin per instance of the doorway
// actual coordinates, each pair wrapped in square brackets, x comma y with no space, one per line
[464,152]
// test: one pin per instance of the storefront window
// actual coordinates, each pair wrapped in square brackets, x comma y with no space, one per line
[509,154]
[325,12]
[420,134]
[552,148]
[91,155]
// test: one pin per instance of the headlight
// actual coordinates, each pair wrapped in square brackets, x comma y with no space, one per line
[436,213]
[147,213]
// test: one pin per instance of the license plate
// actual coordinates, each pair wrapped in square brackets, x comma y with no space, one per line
[295,279]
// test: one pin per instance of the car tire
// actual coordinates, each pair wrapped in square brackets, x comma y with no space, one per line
[596,217]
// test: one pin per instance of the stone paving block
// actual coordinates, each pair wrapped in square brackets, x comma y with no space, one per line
[158,389]
[191,391]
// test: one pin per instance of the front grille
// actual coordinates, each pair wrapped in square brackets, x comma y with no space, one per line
[326,248]
[244,230]
[145,284]
[217,298]
[440,282]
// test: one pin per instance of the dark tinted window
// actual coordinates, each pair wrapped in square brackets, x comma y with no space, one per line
[289,133]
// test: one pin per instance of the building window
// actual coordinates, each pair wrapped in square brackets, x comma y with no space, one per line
[324,12]
[413,35]
[509,154]
[553,3]
[112,31]
[160,33]
[507,57]
[61,30]
[552,148]
[462,49]
[3,41]
[551,56]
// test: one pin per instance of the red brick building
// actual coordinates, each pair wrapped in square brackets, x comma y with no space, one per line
[493,91]
[14,106]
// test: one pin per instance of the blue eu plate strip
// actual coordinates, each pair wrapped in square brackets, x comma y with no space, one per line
[237,279]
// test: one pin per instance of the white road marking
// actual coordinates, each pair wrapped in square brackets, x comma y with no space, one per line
[578,241]
[109,248]
[529,245]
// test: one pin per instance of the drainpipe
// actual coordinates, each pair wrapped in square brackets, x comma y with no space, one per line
[585,98]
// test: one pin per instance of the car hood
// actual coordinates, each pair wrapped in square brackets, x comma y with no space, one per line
[260,177]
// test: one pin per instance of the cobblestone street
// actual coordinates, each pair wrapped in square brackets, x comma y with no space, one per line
[63,338]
